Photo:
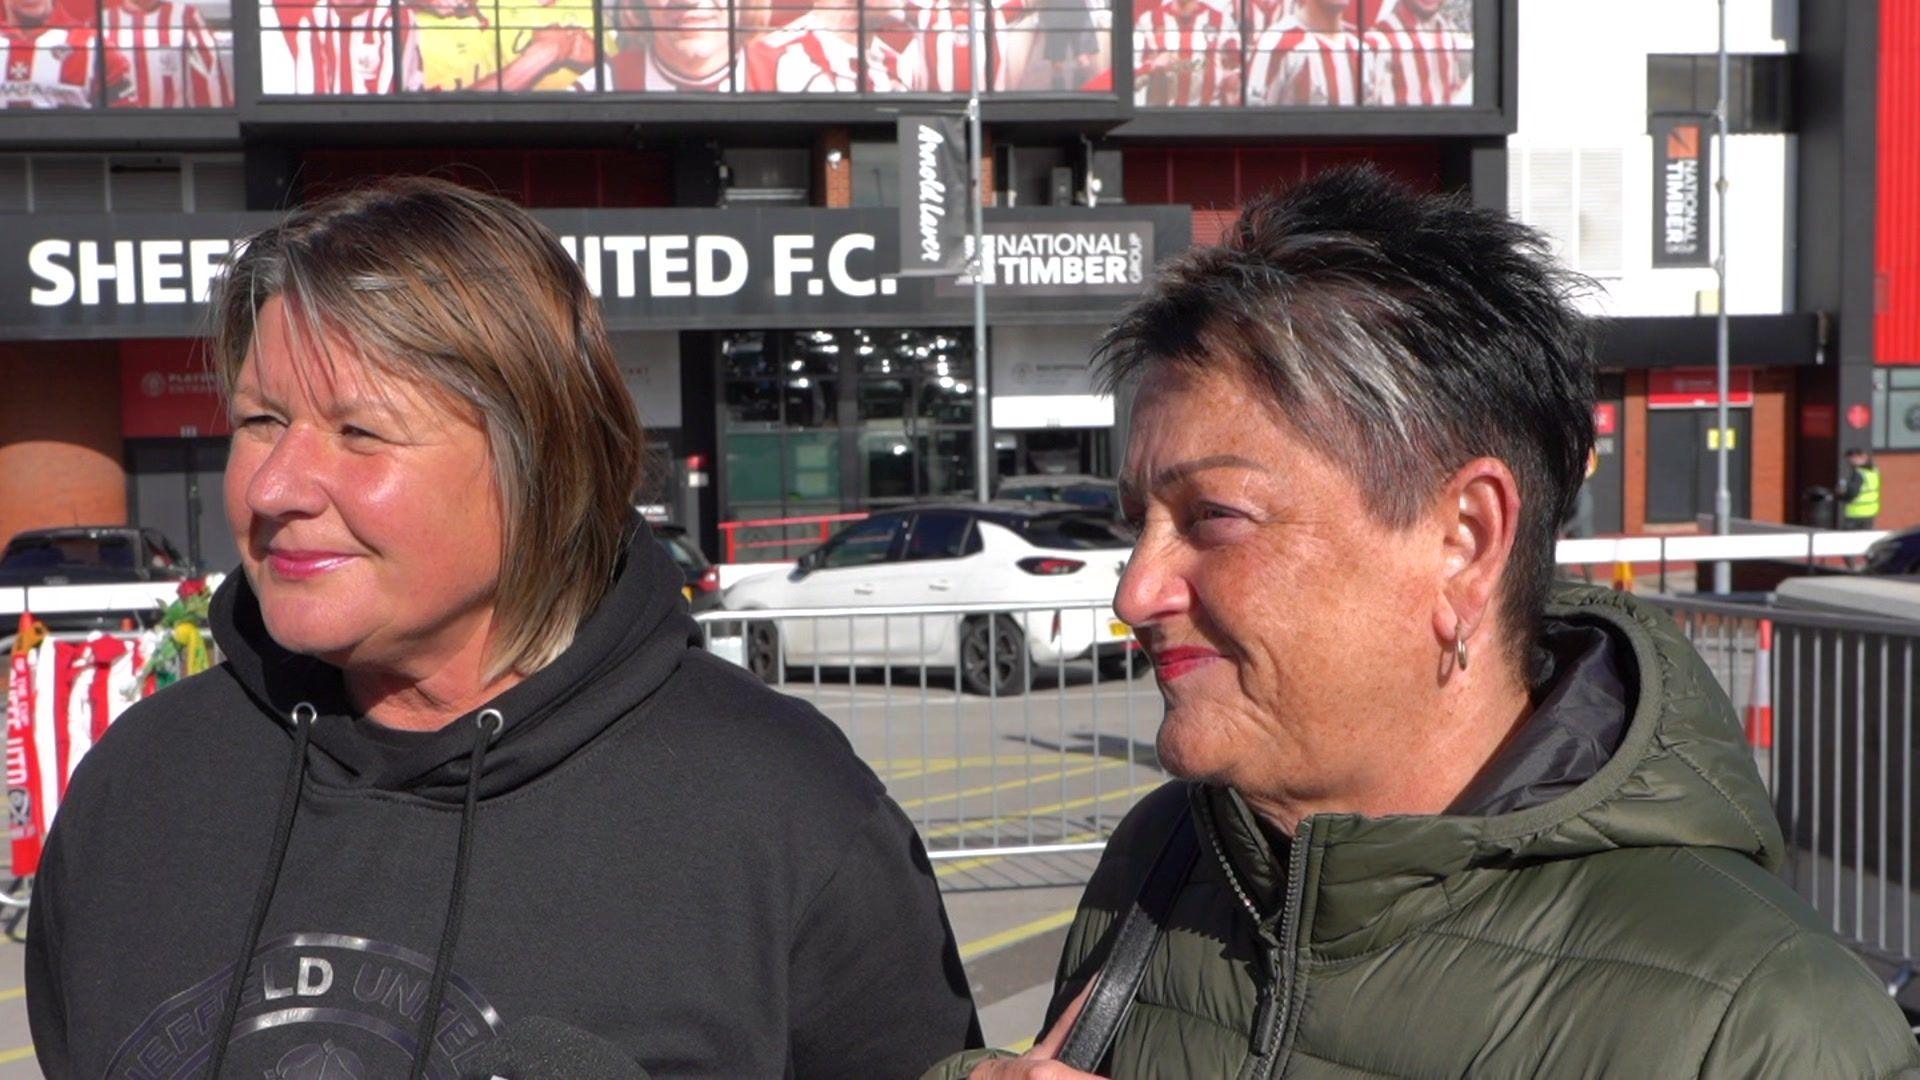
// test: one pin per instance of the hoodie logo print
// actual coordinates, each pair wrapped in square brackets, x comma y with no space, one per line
[313,1007]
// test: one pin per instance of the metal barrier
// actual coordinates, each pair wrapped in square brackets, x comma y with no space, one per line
[1829,702]
[936,699]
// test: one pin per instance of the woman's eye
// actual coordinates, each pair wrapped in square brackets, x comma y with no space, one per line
[352,432]
[257,420]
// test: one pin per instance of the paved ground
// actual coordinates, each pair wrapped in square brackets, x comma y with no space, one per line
[1059,765]
[16,1045]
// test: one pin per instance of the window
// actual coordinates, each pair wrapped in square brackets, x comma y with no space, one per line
[682,47]
[1075,532]
[941,535]
[863,544]
[1258,54]
[1896,409]
[1759,89]
[1576,198]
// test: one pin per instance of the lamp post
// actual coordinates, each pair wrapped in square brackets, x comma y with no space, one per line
[982,422]
[1722,495]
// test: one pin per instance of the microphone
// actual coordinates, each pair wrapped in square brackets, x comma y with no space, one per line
[542,1048]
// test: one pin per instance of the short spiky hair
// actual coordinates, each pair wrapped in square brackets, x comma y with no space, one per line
[1403,334]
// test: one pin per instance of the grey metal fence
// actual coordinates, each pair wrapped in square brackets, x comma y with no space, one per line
[1001,729]
[1830,706]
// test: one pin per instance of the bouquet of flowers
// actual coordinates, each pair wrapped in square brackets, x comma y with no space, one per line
[178,646]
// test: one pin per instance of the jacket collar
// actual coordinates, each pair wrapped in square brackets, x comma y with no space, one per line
[1681,776]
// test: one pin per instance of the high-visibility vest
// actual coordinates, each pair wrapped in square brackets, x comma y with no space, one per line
[1867,503]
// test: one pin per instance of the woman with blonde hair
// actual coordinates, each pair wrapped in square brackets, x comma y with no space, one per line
[465,796]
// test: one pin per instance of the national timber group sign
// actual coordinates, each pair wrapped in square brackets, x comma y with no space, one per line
[149,275]
[1681,162]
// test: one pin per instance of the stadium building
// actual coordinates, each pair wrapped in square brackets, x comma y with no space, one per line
[729,175]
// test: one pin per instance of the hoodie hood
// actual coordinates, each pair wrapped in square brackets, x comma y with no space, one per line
[633,641]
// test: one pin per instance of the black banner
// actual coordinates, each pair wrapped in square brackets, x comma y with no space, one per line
[1681,185]
[148,275]
[934,217]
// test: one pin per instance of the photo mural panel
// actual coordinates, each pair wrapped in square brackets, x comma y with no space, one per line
[119,54]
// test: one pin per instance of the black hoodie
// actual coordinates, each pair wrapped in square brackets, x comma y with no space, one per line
[639,841]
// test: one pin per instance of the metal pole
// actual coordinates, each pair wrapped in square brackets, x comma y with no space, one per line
[982,422]
[1722,495]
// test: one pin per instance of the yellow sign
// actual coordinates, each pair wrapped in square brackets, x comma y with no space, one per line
[1713,438]
[1119,629]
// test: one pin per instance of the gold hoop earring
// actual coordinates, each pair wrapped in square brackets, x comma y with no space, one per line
[1460,653]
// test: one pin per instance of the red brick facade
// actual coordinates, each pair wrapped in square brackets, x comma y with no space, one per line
[60,452]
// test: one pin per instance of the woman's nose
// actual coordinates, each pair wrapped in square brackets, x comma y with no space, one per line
[287,482]
[1152,588]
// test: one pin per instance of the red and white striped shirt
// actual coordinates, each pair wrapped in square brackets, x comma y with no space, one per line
[801,58]
[363,45]
[1418,61]
[1292,65]
[938,57]
[1185,60]
[295,55]
[1262,14]
[338,48]
[52,67]
[175,59]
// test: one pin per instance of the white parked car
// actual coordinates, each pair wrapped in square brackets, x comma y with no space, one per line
[1012,553]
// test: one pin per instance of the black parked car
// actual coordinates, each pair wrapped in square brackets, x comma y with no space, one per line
[1895,553]
[1073,489]
[702,586]
[90,555]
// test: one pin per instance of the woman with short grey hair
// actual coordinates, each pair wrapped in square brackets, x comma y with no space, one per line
[466,799]
[1438,815]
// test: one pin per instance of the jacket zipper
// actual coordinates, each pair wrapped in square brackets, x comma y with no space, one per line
[1271,1025]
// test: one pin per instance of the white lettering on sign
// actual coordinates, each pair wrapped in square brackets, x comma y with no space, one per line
[932,193]
[837,257]
[788,260]
[1683,206]
[708,253]
[43,261]
[1066,258]
[140,271]
[669,260]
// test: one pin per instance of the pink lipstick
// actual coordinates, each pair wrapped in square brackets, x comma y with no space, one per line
[1172,663]
[301,565]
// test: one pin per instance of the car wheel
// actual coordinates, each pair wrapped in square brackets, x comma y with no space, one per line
[1127,665]
[993,657]
[763,651]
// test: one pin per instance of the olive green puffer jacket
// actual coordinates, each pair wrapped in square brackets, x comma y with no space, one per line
[1631,927]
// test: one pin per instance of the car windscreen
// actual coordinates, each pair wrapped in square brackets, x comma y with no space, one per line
[1074,532]
[66,556]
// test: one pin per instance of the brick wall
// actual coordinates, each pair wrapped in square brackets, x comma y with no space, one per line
[60,452]
[1899,488]
[1633,462]
[833,179]
[1773,498]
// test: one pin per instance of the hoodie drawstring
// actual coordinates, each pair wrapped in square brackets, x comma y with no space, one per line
[304,715]
[486,725]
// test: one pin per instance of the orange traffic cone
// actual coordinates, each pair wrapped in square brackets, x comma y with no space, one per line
[1760,701]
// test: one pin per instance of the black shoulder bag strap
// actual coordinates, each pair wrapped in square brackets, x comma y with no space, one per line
[1139,933]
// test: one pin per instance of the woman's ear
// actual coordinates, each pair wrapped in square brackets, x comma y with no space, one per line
[1479,513]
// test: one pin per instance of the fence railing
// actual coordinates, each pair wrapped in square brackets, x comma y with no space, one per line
[936,699]
[1829,702]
